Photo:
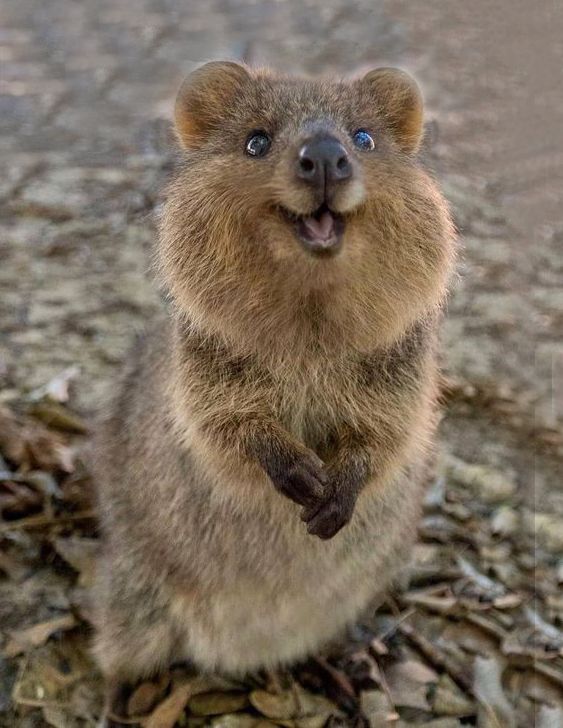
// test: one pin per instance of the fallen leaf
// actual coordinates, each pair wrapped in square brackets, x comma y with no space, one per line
[29,444]
[25,639]
[495,711]
[18,499]
[57,388]
[145,697]
[549,632]
[15,570]
[486,585]
[216,703]
[309,721]
[508,601]
[408,683]
[58,416]
[489,485]
[275,706]
[44,482]
[57,717]
[239,720]
[505,521]
[375,706]
[80,553]
[435,495]
[449,700]
[310,705]
[435,602]
[169,711]
[550,717]
[547,528]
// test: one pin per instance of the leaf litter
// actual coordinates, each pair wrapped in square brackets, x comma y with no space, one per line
[471,637]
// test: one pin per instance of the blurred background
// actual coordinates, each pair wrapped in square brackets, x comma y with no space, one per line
[86,95]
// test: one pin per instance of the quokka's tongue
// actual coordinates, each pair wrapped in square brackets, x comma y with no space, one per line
[321,228]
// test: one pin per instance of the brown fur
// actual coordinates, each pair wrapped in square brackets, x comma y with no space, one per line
[275,373]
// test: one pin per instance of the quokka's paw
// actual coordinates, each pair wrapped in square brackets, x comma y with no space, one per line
[301,478]
[328,518]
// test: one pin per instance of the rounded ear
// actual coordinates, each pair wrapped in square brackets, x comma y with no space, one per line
[399,100]
[203,98]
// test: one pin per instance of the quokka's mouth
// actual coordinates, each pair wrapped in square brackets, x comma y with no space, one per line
[320,233]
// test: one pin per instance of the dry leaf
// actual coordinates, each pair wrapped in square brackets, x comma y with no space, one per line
[57,415]
[57,388]
[376,708]
[216,703]
[408,683]
[13,568]
[432,601]
[449,700]
[488,484]
[24,639]
[550,717]
[169,711]
[505,521]
[145,697]
[548,529]
[18,499]
[30,444]
[239,720]
[495,711]
[278,706]
[80,553]
[486,586]
[57,717]
[508,601]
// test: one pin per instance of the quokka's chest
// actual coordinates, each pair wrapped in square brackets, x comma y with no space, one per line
[313,402]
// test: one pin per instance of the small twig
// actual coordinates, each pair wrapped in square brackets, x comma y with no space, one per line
[123,720]
[487,625]
[437,658]
[17,685]
[392,603]
[549,672]
[388,695]
[42,521]
[342,688]
[29,703]
[394,627]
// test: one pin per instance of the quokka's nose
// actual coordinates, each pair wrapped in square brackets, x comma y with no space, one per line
[323,161]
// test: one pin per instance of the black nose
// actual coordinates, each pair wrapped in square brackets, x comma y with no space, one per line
[323,161]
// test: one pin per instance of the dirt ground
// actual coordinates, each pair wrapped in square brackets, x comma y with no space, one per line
[86,93]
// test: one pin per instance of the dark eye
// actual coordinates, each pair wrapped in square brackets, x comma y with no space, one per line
[257,144]
[363,140]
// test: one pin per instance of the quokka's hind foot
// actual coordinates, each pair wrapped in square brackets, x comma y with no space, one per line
[131,644]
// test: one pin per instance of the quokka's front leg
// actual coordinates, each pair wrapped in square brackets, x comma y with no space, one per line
[361,453]
[295,470]
[234,418]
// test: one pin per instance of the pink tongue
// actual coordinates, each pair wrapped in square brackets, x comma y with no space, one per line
[321,229]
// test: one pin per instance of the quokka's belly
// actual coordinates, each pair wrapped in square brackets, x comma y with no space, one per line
[248,627]
[290,607]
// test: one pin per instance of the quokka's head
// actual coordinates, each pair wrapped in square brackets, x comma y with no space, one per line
[294,179]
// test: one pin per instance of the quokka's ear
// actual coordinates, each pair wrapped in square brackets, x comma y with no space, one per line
[203,98]
[399,100]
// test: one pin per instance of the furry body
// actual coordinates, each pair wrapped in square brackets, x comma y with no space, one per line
[262,469]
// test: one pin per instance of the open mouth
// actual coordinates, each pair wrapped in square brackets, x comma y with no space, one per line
[320,233]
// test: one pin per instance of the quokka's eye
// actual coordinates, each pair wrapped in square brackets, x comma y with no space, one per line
[363,140]
[257,144]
